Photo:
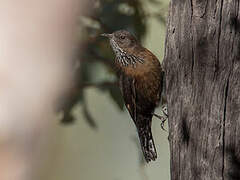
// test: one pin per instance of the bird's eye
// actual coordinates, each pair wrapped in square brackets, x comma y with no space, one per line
[122,37]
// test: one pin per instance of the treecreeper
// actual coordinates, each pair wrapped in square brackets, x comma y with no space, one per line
[140,80]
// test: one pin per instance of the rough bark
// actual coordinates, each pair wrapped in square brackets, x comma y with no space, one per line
[202,66]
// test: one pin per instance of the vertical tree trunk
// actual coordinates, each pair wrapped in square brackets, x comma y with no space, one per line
[202,65]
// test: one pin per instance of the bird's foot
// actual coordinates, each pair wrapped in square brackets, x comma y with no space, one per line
[165,110]
[162,118]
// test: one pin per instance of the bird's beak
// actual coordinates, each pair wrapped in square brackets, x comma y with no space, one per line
[107,35]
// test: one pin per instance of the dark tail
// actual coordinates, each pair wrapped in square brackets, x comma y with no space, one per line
[146,139]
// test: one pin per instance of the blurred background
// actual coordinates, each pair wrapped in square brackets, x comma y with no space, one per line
[92,136]
[98,140]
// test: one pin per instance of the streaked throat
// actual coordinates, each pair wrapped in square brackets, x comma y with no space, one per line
[123,58]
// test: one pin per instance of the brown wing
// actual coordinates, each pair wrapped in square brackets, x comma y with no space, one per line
[127,86]
[142,118]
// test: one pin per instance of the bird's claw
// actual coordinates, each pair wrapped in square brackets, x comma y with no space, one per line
[165,110]
[163,119]
[162,124]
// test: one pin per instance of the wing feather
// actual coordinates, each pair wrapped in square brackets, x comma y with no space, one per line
[127,86]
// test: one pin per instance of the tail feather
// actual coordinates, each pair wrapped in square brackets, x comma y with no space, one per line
[146,139]
[148,147]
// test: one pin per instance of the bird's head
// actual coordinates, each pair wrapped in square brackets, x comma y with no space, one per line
[121,39]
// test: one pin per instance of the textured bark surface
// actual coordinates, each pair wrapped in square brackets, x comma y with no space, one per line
[202,65]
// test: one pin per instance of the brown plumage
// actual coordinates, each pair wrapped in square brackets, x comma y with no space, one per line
[140,81]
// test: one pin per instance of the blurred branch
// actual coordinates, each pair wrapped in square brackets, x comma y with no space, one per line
[104,27]
[105,61]
[75,94]
[97,85]
[88,117]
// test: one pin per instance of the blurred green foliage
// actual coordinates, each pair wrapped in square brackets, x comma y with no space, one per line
[94,53]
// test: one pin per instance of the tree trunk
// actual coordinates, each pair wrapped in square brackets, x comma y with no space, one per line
[202,66]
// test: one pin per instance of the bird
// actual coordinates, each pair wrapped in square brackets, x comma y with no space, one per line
[140,80]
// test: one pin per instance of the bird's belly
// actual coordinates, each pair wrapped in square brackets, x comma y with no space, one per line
[149,91]
[149,88]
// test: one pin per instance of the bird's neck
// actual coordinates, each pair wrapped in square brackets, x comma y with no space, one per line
[126,57]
